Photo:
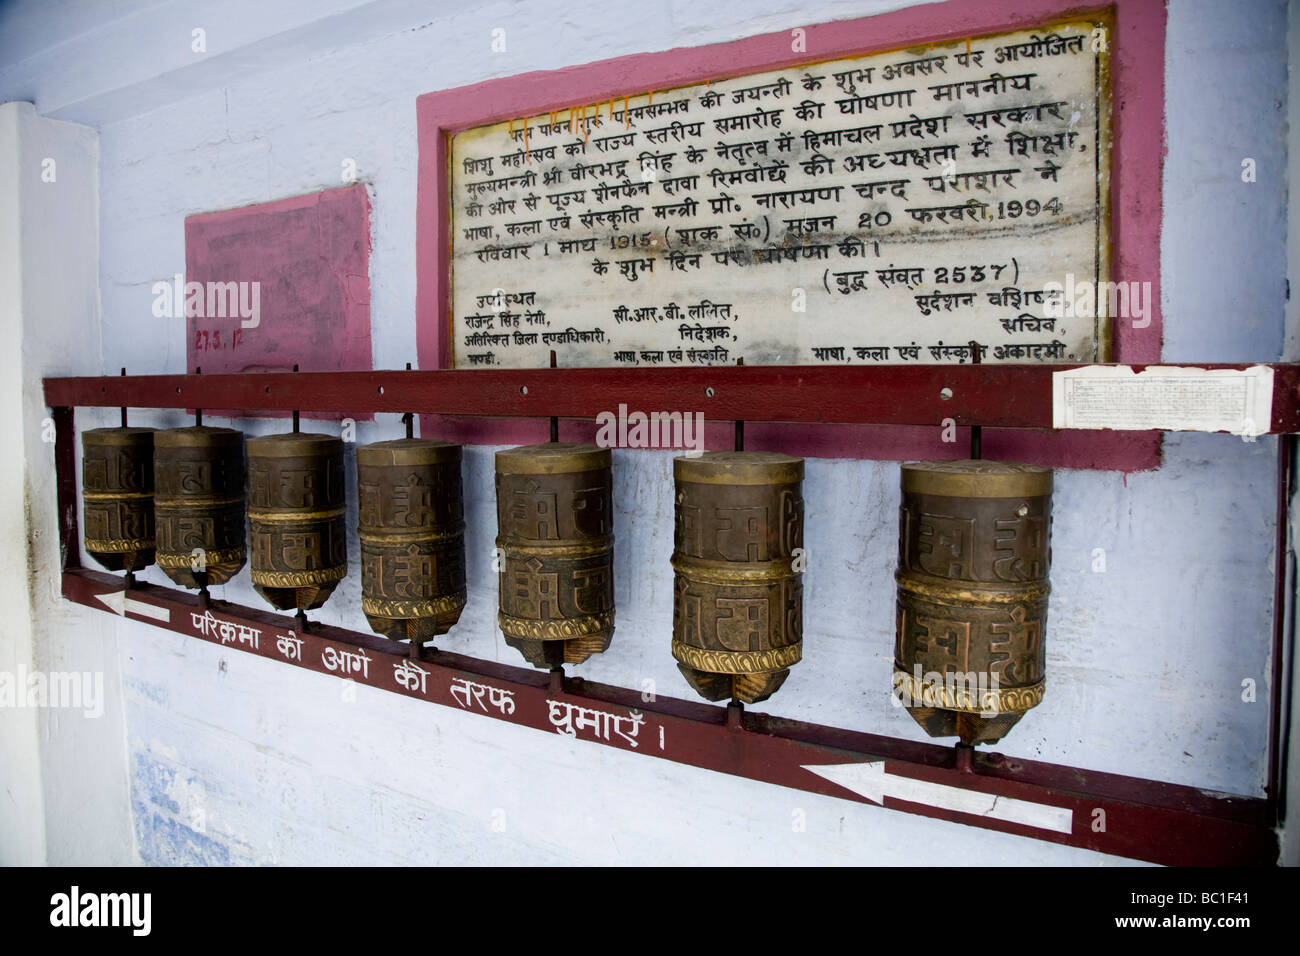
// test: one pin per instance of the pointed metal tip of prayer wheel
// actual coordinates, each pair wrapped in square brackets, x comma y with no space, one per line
[420,629]
[303,598]
[543,654]
[129,561]
[972,729]
[226,567]
[548,654]
[747,688]
[579,649]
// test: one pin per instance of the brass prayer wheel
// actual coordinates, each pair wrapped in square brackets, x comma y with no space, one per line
[199,504]
[737,596]
[555,530]
[117,496]
[296,518]
[973,556]
[411,522]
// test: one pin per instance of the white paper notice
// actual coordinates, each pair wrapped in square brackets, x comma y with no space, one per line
[1239,401]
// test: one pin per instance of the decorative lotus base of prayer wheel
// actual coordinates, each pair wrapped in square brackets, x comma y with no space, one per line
[296,518]
[411,522]
[555,533]
[419,621]
[549,647]
[199,504]
[704,672]
[117,497]
[738,598]
[974,554]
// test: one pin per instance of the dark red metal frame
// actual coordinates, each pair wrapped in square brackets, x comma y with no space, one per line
[1144,819]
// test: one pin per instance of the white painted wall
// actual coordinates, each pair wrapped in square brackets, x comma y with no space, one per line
[237,759]
[63,780]
[22,825]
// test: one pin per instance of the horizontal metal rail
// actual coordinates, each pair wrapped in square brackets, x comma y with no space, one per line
[997,396]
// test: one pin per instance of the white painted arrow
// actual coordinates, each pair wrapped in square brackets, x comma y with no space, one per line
[119,603]
[872,781]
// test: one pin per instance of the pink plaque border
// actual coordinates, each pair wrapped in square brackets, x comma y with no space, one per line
[1137,47]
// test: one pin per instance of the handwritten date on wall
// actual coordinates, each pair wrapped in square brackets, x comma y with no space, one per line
[891,208]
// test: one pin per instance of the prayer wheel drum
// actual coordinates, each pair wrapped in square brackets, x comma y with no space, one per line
[117,496]
[296,518]
[973,556]
[737,596]
[411,522]
[556,536]
[199,504]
